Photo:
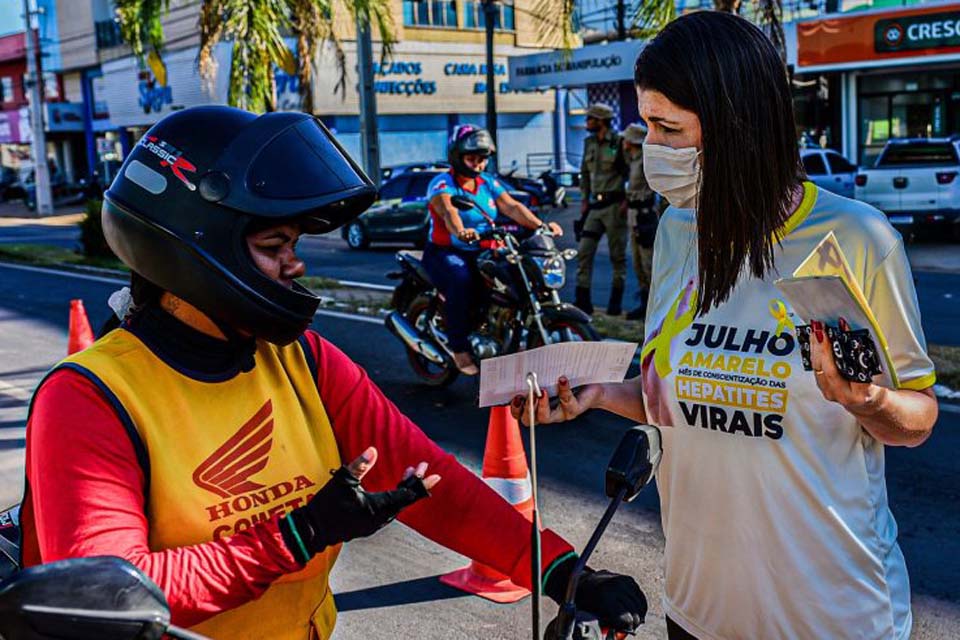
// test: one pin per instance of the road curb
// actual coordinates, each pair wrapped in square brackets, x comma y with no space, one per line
[119,273]
[945,394]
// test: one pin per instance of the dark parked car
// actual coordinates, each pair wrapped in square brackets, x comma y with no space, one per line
[8,178]
[393,171]
[400,215]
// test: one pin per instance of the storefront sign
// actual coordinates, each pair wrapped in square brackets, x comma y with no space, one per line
[153,95]
[10,127]
[422,78]
[918,32]
[881,38]
[136,97]
[596,63]
[428,78]
[64,116]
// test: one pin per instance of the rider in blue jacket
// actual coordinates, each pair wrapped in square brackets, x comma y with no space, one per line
[450,256]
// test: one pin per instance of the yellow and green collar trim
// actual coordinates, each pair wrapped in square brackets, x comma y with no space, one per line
[798,216]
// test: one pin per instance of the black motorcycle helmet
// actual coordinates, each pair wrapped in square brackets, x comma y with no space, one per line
[180,209]
[467,139]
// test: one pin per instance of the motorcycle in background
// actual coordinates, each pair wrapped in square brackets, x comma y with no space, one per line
[543,191]
[522,279]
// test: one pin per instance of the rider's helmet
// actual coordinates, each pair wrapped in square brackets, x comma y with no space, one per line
[200,179]
[468,139]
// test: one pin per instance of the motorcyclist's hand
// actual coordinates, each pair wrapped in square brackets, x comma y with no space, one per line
[555,229]
[343,510]
[615,600]
[468,235]
[569,405]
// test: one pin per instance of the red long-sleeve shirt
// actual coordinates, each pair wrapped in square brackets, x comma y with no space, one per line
[86,494]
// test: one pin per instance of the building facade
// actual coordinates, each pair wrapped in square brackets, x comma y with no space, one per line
[868,76]
[434,80]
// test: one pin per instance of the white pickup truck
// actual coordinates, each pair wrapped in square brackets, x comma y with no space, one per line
[915,182]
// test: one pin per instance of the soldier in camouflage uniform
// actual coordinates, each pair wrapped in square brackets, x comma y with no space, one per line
[603,210]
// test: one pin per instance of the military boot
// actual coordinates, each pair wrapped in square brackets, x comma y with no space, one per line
[615,308]
[582,300]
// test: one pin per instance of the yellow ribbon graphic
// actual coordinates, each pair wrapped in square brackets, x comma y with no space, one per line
[672,327]
[779,312]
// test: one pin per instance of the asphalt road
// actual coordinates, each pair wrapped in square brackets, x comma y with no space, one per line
[387,585]
[938,290]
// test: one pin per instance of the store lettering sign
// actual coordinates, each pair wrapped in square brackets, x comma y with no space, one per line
[153,96]
[410,84]
[561,66]
[928,31]
[405,78]
[288,92]
[595,63]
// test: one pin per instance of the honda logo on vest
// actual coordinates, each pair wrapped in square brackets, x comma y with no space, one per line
[227,471]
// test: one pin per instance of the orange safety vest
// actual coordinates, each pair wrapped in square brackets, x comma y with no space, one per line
[221,456]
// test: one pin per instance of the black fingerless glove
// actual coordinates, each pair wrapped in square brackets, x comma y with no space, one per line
[343,510]
[616,600]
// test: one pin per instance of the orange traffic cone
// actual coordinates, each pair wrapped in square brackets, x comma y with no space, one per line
[505,470]
[81,335]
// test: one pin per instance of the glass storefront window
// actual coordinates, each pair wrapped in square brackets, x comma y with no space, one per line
[920,104]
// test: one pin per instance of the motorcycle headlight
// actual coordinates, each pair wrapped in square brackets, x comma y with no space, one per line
[554,270]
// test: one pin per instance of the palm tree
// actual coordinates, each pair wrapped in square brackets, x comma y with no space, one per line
[256,29]
[653,15]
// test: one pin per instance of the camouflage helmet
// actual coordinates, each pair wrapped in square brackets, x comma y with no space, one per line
[600,111]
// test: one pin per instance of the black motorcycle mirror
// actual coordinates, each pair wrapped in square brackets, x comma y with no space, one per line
[630,469]
[100,597]
[462,203]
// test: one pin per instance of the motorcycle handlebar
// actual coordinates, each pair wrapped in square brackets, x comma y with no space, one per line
[516,231]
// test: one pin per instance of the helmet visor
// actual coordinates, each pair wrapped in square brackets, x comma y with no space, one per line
[296,170]
[301,163]
[479,142]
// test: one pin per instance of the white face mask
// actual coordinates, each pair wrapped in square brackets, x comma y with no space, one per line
[673,173]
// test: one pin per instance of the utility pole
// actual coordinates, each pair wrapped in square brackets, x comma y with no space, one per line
[369,138]
[490,10]
[41,174]
[621,20]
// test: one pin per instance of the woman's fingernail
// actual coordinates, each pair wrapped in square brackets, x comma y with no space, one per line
[563,380]
[818,330]
[517,401]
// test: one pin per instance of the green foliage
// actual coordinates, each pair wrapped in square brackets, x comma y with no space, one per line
[140,23]
[653,15]
[91,232]
[256,30]
[54,256]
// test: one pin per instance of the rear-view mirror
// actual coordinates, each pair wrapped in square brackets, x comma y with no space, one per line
[101,597]
[634,462]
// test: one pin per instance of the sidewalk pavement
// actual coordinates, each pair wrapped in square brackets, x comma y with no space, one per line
[14,212]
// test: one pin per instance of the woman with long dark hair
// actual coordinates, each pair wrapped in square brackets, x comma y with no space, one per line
[772,487]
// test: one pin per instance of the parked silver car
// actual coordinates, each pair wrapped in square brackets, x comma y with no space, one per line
[829,170]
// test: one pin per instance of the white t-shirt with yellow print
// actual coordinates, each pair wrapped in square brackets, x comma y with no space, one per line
[774,502]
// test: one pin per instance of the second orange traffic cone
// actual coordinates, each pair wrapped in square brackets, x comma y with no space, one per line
[505,470]
[81,335]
